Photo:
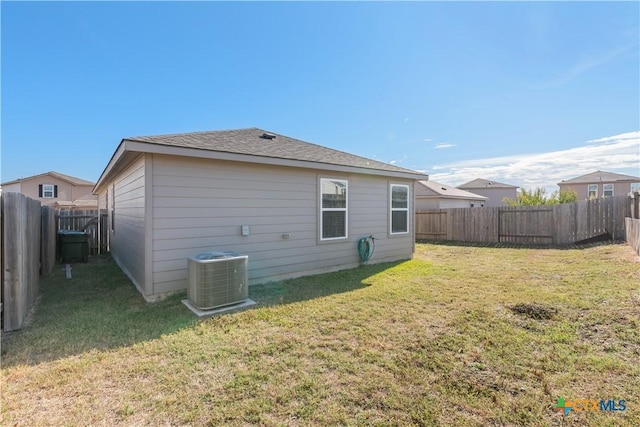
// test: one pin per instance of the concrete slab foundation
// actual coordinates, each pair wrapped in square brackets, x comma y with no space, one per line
[219,310]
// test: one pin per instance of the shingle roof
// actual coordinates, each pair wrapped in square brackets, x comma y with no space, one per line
[444,190]
[70,179]
[251,142]
[600,176]
[480,183]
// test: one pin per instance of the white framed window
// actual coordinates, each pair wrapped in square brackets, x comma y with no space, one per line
[635,186]
[592,191]
[607,190]
[48,191]
[399,217]
[334,205]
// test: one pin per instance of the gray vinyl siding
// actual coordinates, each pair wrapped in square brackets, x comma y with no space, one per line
[200,205]
[128,237]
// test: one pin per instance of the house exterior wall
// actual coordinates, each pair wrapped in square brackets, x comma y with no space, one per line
[494,196]
[125,199]
[445,203]
[200,205]
[66,190]
[11,188]
[582,190]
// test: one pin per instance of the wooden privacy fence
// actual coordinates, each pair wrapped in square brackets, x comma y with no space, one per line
[93,222]
[632,224]
[28,250]
[561,224]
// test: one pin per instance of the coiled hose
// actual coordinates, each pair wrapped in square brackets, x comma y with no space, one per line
[366,248]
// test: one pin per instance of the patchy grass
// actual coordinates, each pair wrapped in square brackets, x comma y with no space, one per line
[437,340]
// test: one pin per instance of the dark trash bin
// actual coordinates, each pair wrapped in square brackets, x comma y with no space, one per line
[74,246]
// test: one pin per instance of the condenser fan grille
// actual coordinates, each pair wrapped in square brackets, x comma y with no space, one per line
[217,279]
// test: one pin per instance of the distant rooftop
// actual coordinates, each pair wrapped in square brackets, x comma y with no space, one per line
[70,179]
[450,192]
[481,183]
[601,176]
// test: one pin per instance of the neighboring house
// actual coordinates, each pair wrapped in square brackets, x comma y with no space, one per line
[495,192]
[55,189]
[433,195]
[293,207]
[600,184]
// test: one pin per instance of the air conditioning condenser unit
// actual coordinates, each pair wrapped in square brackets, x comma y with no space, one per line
[217,279]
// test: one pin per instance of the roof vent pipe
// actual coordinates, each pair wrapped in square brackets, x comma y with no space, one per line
[268,136]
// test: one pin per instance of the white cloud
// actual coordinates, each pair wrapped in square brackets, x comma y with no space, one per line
[444,145]
[619,154]
[622,136]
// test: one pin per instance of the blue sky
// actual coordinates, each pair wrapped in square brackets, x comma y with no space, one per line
[523,93]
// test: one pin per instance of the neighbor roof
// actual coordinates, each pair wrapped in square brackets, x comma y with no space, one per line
[68,178]
[600,176]
[253,145]
[480,183]
[443,190]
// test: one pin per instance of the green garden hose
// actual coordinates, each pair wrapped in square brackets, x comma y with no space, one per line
[366,248]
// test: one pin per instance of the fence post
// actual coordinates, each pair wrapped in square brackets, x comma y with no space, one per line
[21,219]
[48,245]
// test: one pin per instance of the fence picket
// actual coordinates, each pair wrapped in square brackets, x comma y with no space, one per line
[549,225]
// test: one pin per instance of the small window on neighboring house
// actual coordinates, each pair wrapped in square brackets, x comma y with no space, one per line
[607,190]
[592,191]
[333,209]
[635,186]
[399,209]
[48,191]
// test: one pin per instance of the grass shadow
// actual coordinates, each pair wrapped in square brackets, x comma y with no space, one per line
[100,309]
[97,309]
[316,286]
[513,245]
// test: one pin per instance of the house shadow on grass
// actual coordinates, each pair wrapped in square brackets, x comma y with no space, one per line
[100,309]
[97,309]
[317,286]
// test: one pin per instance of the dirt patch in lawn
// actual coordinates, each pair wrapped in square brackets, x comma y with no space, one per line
[535,311]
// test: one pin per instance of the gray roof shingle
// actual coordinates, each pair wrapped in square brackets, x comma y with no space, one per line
[481,183]
[251,142]
[447,191]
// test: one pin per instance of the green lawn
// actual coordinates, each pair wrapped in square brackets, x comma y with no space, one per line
[456,336]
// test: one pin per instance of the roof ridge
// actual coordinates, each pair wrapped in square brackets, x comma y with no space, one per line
[71,179]
[201,132]
[157,139]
